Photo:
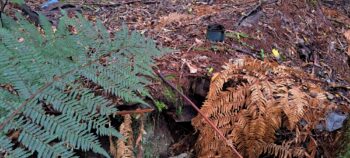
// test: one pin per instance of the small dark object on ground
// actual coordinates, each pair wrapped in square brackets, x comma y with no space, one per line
[216,33]
[305,52]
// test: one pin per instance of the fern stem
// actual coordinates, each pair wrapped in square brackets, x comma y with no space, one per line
[2,125]
[18,110]
[198,110]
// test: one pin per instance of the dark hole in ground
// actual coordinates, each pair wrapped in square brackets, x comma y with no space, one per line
[183,134]
[233,83]
[198,90]
[179,125]
[305,52]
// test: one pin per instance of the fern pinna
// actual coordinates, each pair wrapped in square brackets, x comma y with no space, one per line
[42,73]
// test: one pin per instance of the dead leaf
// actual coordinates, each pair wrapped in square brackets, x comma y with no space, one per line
[198,41]
[193,68]
[347,36]
[203,10]
[172,17]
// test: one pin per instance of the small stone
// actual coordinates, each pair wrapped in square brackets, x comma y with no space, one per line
[183,155]
[330,96]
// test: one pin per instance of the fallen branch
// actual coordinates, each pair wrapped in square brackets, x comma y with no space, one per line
[252,11]
[205,118]
[244,51]
[137,111]
[121,3]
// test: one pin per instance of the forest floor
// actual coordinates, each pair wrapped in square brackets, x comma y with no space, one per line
[309,35]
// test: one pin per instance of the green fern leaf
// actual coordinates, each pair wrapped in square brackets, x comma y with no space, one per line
[55,112]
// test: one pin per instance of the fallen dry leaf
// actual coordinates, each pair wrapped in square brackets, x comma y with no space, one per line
[203,10]
[198,41]
[347,36]
[193,68]
[172,17]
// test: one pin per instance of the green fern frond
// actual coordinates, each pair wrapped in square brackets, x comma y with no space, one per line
[54,112]
[38,140]
[7,145]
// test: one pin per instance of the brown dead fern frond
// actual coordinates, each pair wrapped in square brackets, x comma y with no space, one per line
[285,151]
[251,102]
[125,147]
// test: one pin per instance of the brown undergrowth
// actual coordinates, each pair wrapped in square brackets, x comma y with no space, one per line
[253,103]
[124,148]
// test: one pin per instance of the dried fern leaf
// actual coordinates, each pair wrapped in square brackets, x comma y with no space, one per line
[125,147]
[251,102]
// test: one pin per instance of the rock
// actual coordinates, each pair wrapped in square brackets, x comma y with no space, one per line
[183,155]
[330,96]
[335,121]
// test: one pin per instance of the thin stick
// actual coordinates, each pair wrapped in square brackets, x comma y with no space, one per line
[120,4]
[137,111]
[206,119]
[254,10]
[139,139]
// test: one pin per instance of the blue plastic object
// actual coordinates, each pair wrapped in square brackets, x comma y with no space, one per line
[48,3]
[216,33]
[334,121]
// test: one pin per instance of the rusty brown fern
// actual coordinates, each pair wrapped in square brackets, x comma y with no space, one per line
[123,148]
[251,102]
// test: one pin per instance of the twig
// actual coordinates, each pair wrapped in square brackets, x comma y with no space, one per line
[34,16]
[255,9]
[122,3]
[241,50]
[190,48]
[197,109]
[137,111]
[344,97]
[244,51]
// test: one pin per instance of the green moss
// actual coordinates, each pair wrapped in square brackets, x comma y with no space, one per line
[173,98]
[344,151]
[169,95]
[160,106]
